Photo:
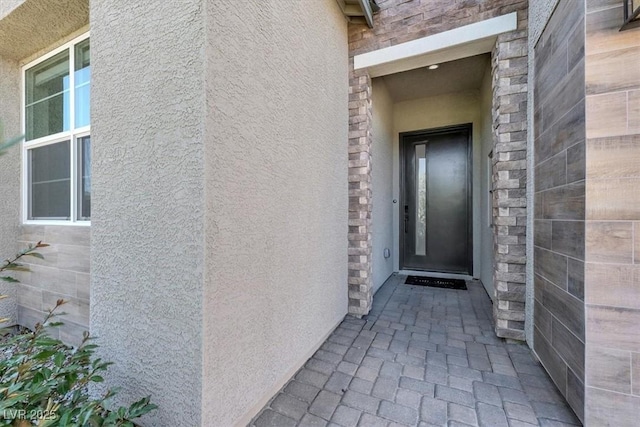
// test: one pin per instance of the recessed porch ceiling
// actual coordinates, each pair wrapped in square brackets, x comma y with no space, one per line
[452,76]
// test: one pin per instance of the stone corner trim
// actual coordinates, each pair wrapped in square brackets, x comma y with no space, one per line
[360,125]
[510,71]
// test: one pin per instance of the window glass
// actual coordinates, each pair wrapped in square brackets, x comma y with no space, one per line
[84,178]
[50,181]
[82,82]
[47,97]
[57,145]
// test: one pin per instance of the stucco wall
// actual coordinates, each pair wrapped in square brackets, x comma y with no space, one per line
[438,111]
[147,243]
[9,177]
[382,226]
[485,164]
[276,196]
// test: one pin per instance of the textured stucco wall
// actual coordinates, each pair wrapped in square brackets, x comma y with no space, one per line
[438,111]
[147,201]
[27,26]
[539,13]
[276,196]
[9,176]
[486,216]
[382,184]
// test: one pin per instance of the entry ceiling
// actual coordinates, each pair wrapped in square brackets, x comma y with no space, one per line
[453,76]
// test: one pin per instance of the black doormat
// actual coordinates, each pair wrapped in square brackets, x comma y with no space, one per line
[436,282]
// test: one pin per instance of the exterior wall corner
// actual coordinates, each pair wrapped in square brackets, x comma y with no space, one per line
[360,203]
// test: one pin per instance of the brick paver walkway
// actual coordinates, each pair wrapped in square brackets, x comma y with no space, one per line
[422,357]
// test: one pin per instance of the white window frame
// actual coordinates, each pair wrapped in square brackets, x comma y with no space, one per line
[72,135]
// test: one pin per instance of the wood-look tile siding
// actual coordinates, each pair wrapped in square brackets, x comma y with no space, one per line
[612,241]
[62,274]
[559,202]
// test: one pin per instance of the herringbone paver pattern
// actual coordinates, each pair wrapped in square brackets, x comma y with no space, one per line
[422,357]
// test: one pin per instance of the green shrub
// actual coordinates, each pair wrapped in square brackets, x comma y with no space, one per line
[45,382]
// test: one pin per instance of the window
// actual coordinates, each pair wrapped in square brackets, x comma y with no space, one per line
[57,147]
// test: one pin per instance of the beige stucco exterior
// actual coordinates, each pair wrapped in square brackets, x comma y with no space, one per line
[382,179]
[485,232]
[275,219]
[147,234]
[9,176]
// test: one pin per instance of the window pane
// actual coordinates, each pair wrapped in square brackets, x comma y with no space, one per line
[49,182]
[421,199]
[82,77]
[47,97]
[84,178]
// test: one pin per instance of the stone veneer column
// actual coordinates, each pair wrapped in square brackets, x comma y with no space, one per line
[509,65]
[360,125]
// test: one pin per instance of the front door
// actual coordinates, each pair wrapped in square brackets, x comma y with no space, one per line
[435,213]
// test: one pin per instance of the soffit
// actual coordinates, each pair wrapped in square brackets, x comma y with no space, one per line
[36,24]
[453,76]
[7,6]
[358,11]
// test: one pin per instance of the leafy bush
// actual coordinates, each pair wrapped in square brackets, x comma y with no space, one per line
[44,382]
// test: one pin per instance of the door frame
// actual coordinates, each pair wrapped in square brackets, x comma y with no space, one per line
[468,127]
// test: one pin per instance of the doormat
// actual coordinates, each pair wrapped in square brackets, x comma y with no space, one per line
[436,282]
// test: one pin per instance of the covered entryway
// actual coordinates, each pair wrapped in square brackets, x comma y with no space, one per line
[432,201]
[475,73]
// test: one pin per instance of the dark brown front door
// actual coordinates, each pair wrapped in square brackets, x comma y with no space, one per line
[435,213]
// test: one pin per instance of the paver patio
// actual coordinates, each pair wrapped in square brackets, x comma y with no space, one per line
[423,356]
